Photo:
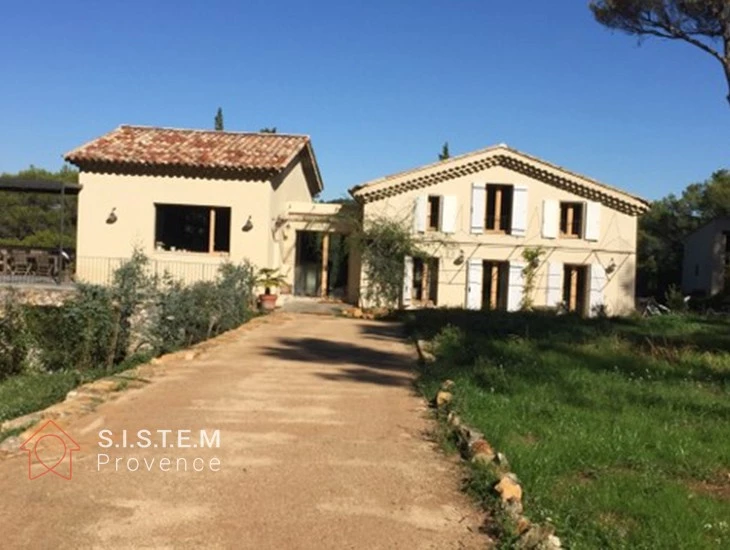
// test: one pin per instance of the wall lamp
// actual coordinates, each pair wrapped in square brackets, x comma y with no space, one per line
[460,259]
[248,226]
[112,217]
[611,267]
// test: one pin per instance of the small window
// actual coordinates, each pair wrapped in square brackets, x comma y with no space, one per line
[185,228]
[433,213]
[499,208]
[571,219]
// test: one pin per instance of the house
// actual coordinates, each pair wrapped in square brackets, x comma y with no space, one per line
[476,214]
[193,199]
[706,262]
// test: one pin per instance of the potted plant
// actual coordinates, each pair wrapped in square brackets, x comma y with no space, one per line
[269,278]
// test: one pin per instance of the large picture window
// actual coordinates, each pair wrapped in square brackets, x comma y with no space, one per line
[187,228]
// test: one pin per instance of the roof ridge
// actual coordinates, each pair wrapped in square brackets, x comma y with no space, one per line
[208,131]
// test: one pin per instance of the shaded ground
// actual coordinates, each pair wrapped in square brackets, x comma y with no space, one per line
[322,446]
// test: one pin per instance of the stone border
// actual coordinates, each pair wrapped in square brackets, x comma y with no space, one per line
[475,448]
[87,397]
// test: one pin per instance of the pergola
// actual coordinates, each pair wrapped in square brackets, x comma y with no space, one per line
[48,187]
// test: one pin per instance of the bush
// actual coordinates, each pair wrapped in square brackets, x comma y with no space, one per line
[184,315]
[79,334]
[13,339]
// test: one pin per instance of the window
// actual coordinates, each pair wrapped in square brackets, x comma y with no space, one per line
[495,277]
[571,219]
[433,213]
[499,208]
[192,228]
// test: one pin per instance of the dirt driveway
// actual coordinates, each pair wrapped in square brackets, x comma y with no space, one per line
[321,446]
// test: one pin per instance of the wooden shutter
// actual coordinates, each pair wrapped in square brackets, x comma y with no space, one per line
[419,214]
[598,284]
[516,286]
[448,214]
[550,218]
[407,281]
[554,284]
[474,284]
[592,229]
[478,207]
[519,211]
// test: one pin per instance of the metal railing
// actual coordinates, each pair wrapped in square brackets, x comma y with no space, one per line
[99,270]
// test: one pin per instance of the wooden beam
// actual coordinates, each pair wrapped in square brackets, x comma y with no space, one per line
[325,261]
[211,232]
[424,283]
[494,286]
[497,208]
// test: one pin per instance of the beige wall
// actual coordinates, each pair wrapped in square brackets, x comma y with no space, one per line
[703,266]
[101,245]
[617,238]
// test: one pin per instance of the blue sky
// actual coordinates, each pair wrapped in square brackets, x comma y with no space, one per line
[378,85]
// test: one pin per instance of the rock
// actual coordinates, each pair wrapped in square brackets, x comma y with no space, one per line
[513,508]
[11,444]
[356,313]
[481,452]
[447,385]
[20,422]
[423,348]
[443,398]
[508,488]
[538,537]
[501,460]
[522,525]
[453,419]
[189,355]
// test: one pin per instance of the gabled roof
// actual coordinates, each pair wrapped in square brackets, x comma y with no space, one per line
[174,150]
[499,155]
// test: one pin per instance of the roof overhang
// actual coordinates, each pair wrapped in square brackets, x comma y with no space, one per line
[50,187]
[500,155]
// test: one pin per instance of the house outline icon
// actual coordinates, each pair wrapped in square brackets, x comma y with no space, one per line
[50,430]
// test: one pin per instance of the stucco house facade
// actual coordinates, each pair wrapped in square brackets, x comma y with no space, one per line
[706,261]
[193,199]
[476,214]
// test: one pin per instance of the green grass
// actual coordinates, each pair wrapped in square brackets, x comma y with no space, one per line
[618,429]
[29,392]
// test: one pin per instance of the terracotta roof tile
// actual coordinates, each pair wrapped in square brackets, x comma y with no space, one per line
[203,149]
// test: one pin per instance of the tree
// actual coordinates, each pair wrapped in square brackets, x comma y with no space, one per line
[33,219]
[701,23]
[219,120]
[271,130]
[444,154]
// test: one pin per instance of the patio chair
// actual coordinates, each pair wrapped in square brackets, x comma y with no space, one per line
[44,265]
[20,263]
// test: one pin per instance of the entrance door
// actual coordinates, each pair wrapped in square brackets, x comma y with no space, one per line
[321,264]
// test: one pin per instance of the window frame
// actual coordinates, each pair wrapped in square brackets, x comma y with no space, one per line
[503,196]
[574,214]
[214,232]
[434,201]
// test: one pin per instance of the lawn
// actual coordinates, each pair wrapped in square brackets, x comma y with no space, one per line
[618,429]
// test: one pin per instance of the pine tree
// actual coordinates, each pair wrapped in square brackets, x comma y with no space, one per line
[444,154]
[219,120]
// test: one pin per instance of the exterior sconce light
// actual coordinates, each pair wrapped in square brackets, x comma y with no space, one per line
[460,259]
[112,217]
[248,226]
[611,267]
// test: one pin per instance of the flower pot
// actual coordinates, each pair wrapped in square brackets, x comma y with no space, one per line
[267,302]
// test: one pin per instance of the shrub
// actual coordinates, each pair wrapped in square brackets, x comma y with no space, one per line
[79,334]
[13,338]
[184,315]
